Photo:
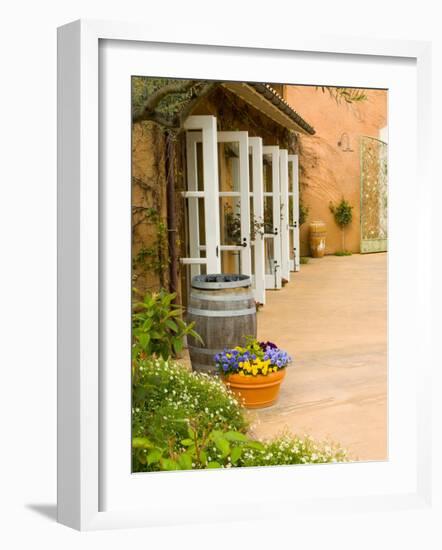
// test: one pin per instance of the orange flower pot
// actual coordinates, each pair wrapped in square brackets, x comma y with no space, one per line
[256,392]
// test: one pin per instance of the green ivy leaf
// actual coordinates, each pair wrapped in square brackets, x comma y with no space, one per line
[141,458]
[174,313]
[235,436]
[171,325]
[142,443]
[203,458]
[177,345]
[154,456]
[214,464]
[235,454]
[215,434]
[255,445]
[144,339]
[169,464]
[185,462]
[223,445]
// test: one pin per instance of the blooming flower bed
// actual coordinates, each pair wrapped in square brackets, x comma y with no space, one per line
[256,358]
[187,420]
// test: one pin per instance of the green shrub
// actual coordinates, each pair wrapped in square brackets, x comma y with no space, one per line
[343,214]
[157,326]
[168,400]
[304,260]
[186,420]
[199,450]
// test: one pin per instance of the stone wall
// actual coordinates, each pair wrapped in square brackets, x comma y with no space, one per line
[327,172]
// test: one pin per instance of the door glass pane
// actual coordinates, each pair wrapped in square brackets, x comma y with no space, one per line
[228,166]
[268,214]
[290,209]
[250,173]
[201,216]
[269,255]
[290,177]
[267,173]
[194,226]
[253,222]
[230,218]
[199,167]
[230,261]
[291,245]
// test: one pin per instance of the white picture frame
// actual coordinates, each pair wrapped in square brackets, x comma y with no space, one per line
[80,299]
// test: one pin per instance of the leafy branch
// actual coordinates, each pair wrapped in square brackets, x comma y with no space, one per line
[348,95]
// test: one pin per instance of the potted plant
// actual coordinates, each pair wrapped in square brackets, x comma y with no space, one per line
[254,372]
[343,215]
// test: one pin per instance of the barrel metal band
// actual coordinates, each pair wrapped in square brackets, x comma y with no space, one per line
[216,286]
[221,312]
[221,297]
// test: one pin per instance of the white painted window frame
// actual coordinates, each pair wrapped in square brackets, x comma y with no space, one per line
[274,280]
[192,195]
[295,264]
[242,139]
[79,321]
[255,147]
[207,134]
[284,216]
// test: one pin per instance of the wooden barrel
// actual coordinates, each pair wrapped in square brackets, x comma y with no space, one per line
[318,234]
[224,311]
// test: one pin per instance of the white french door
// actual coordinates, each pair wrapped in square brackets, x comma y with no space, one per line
[293,220]
[202,195]
[272,217]
[234,205]
[217,196]
[257,218]
[284,215]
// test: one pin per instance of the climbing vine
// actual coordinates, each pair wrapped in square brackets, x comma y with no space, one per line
[303,212]
[153,258]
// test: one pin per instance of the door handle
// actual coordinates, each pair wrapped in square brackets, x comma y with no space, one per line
[244,243]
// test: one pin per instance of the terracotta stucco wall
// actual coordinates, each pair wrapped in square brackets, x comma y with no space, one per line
[149,209]
[327,173]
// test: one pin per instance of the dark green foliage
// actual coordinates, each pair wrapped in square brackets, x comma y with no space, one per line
[342,212]
[178,412]
[158,327]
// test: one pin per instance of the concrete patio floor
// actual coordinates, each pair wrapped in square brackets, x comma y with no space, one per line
[332,319]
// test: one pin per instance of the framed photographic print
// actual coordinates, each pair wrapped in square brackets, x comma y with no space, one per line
[235,256]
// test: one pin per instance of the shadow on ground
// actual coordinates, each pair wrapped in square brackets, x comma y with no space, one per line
[49,511]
